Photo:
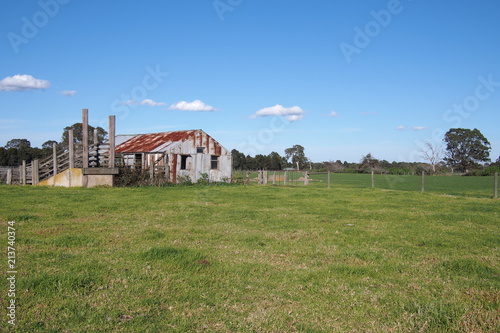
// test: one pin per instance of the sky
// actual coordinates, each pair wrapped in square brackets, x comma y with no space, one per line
[341,78]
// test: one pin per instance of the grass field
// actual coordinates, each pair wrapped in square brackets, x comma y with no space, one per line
[480,187]
[252,259]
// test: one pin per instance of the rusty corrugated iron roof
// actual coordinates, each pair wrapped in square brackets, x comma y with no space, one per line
[154,142]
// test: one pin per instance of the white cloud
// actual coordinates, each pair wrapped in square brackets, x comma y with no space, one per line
[334,114]
[294,113]
[195,105]
[147,101]
[68,93]
[150,102]
[419,128]
[294,117]
[22,83]
[401,127]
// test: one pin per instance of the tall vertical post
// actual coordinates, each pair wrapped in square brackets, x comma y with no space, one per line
[85,137]
[495,195]
[9,177]
[373,179]
[423,181]
[329,184]
[71,149]
[23,173]
[112,141]
[85,144]
[95,149]
[35,172]
[274,178]
[285,178]
[54,158]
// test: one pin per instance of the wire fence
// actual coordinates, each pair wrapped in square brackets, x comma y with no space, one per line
[471,186]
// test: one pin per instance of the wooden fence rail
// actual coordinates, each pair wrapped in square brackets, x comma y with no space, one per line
[75,155]
[61,160]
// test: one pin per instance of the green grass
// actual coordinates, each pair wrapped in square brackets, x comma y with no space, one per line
[253,259]
[480,187]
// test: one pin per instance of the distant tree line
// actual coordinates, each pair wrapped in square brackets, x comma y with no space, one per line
[17,150]
[467,152]
[294,158]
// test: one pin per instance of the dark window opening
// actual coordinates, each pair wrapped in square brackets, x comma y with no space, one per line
[200,150]
[214,162]
[184,162]
[138,160]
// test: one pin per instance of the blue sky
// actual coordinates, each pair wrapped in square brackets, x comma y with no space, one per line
[341,78]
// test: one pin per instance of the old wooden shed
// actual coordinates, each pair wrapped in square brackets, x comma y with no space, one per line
[176,155]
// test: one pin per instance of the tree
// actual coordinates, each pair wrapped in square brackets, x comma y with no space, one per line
[78,133]
[497,163]
[466,148]
[48,144]
[297,156]
[18,150]
[334,166]
[3,157]
[238,160]
[368,162]
[432,153]
[250,163]
[18,144]
[276,162]
[47,147]
[262,161]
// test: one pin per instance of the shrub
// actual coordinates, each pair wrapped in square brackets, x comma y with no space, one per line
[203,180]
[184,180]
[489,171]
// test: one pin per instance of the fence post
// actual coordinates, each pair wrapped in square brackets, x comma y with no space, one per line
[264,174]
[248,178]
[112,120]
[85,137]
[23,173]
[151,171]
[85,144]
[9,177]
[329,179]
[54,157]
[373,179]
[274,178]
[71,149]
[306,178]
[495,195]
[423,181]
[285,177]
[34,172]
